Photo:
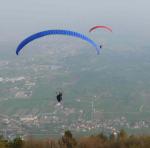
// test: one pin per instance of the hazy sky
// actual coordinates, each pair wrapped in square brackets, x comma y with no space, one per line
[22,17]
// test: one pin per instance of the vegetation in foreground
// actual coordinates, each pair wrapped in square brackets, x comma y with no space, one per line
[122,140]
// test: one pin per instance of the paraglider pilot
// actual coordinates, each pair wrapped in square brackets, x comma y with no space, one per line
[100,46]
[59,96]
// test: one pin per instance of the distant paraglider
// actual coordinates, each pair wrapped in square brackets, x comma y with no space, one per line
[103,27]
[56,32]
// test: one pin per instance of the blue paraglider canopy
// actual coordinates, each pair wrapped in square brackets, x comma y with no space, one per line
[56,32]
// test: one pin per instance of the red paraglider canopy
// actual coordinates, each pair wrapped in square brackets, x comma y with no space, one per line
[105,27]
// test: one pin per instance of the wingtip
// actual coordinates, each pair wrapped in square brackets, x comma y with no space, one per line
[17,53]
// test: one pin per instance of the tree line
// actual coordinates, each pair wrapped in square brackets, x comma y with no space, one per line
[121,140]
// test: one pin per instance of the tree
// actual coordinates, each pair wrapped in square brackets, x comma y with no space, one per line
[122,135]
[112,137]
[17,143]
[67,140]
[102,137]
